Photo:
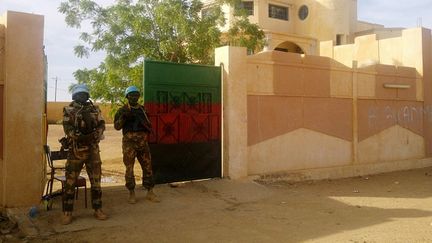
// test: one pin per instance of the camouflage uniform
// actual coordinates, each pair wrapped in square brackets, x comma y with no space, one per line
[136,128]
[84,126]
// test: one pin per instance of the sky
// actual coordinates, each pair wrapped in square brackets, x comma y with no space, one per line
[60,39]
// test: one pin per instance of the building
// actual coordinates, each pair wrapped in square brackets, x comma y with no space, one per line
[299,25]
[329,97]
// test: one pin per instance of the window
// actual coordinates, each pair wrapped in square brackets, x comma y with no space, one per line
[248,6]
[278,12]
[303,12]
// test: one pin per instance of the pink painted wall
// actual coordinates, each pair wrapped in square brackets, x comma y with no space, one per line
[308,112]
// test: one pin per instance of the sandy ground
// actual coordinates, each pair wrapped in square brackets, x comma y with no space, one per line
[393,207]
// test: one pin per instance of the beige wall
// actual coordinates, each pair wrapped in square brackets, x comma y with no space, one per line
[375,58]
[292,112]
[402,50]
[308,45]
[1,142]
[382,33]
[363,26]
[326,20]
[311,112]
[2,33]
[234,101]
[55,112]
[23,167]
[424,69]
[2,42]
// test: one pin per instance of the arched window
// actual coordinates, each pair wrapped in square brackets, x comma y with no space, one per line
[289,46]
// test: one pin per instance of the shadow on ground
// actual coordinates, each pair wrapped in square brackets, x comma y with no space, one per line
[394,207]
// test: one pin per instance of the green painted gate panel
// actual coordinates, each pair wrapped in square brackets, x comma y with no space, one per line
[183,102]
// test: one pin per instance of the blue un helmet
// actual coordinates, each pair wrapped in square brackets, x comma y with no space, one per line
[80,88]
[131,89]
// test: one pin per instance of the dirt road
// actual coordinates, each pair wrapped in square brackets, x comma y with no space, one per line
[394,207]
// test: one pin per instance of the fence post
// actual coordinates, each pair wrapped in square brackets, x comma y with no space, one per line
[234,113]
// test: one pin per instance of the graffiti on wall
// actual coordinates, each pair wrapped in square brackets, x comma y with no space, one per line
[399,115]
[375,116]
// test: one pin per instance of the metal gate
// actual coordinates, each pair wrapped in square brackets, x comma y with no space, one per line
[183,102]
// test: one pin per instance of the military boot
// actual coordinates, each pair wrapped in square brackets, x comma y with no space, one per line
[132,199]
[151,196]
[67,218]
[99,214]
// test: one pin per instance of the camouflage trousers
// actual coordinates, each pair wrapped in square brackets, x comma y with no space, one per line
[73,168]
[135,145]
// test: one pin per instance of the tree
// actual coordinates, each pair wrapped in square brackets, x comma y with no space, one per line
[166,30]
[242,32]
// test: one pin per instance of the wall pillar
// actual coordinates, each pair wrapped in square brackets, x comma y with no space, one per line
[355,141]
[416,46]
[23,171]
[234,98]
[2,33]
[427,87]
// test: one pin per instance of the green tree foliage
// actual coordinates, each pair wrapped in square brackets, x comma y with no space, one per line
[165,30]
[242,32]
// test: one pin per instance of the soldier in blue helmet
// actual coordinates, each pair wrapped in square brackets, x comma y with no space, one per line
[136,128]
[83,125]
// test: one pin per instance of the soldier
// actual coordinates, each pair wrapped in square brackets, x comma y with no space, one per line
[136,127]
[83,125]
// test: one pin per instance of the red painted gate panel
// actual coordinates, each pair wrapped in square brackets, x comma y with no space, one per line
[183,104]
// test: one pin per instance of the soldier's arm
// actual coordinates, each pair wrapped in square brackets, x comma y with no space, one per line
[68,124]
[146,123]
[101,122]
[119,119]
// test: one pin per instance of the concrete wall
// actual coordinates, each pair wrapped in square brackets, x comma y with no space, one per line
[327,18]
[234,114]
[363,26]
[55,112]
[309,112]
[23,167]
[411,49]
[402,50]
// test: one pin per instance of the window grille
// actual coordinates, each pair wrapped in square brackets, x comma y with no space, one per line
[278,12]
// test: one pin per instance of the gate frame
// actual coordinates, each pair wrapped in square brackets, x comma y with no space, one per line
[220,94]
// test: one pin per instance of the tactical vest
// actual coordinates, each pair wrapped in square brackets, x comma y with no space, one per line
[85,118]
[139,121]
